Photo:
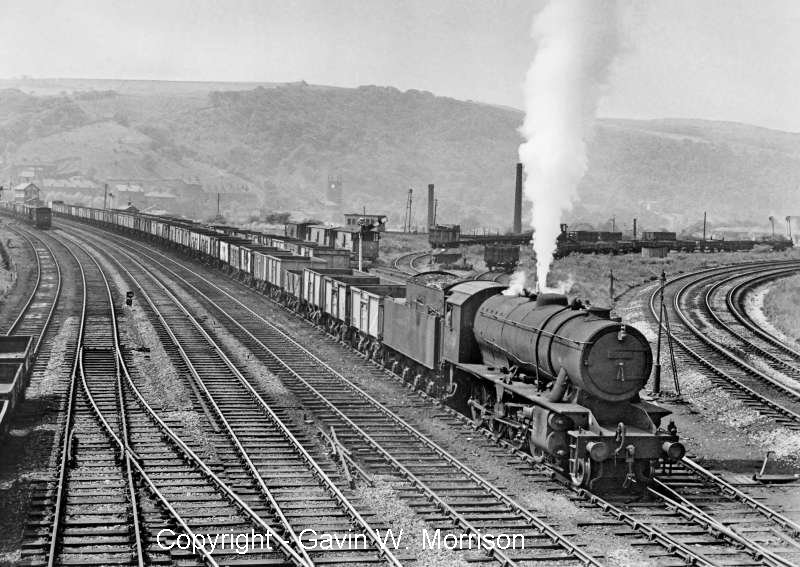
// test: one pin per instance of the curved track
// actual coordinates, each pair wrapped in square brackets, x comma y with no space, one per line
[378,435]
[36,314]
[112,435]
[784,355]
[674,509]
[703,340]
[411,263]
[283,473]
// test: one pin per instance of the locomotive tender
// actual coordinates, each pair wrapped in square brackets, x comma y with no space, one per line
[551,377]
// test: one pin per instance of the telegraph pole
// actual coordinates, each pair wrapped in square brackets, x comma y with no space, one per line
[105,196]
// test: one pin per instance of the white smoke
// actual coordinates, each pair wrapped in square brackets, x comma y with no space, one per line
[577,42]
[563,286]
[516,285]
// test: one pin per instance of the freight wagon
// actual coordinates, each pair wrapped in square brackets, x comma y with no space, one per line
[533,369]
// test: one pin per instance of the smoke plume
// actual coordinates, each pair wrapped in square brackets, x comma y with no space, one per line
[577,42]
[516,285]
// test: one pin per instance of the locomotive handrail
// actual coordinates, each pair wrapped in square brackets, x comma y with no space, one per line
[535,329]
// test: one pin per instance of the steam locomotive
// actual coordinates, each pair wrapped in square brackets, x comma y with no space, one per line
[552,377]
[565,381]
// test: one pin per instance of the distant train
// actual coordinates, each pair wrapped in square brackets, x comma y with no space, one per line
[550,376]
[37,214]
[601,242]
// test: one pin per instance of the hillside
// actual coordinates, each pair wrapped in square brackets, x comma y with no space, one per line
[282,141]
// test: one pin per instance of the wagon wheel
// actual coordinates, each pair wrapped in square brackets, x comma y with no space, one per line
[581,471]
[483,396]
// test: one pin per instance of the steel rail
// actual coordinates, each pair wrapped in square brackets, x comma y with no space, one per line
[704,361]
[762,352]
[234,439]
[412,262]
[125,451]
[315,468]
[732,357]
[406,259]
[134,458]
[653,533]
[734,492]
[543,527]
[733,299]
[196,461]
[66,448]
[36,289]
[687,509]
[78,368]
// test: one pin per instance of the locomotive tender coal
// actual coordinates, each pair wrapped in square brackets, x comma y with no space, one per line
[552,377]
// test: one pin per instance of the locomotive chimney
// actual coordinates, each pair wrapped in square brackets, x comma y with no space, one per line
[431,205]
[517,228]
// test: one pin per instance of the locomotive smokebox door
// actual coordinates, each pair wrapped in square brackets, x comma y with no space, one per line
[129,298]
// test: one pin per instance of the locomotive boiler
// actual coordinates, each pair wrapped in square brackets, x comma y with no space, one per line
[564,381]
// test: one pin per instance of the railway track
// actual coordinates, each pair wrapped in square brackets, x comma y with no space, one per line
[90,521]
[688,301]
[95,512]
[443,489]
[37,312]
[749,346]
[287,476]
[674,520]
[410,263]
[785,355]
[47,312]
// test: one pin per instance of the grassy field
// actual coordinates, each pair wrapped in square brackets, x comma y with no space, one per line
[587,275]
[782,307]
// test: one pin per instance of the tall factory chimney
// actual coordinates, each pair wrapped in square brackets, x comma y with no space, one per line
[517,228]
[431,207]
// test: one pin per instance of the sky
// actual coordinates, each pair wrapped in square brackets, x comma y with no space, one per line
[715,59]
